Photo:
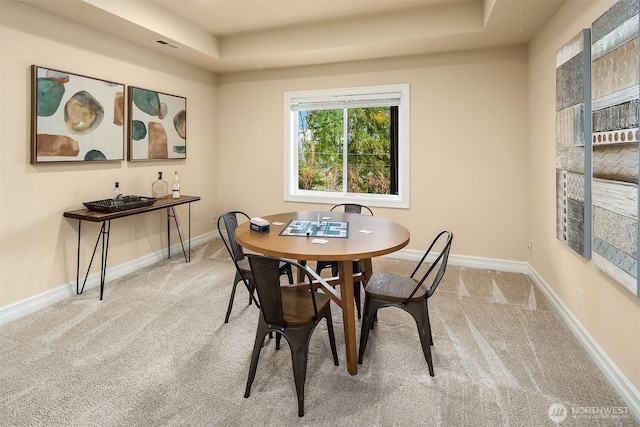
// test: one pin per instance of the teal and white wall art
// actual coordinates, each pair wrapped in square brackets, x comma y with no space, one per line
[75,117]
[157,125]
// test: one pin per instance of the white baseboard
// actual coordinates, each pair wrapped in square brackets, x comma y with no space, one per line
[616,378]
[467,261]
[37,302]
[613,374]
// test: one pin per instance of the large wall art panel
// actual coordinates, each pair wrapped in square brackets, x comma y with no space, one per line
[615,95]
[573,144]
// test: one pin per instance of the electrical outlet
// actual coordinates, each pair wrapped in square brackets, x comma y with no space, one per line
[213,219]
[530,248]
[580,298]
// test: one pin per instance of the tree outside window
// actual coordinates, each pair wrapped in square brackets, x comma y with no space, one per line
[321,152]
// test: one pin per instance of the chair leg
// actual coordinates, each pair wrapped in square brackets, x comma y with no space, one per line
[429,327]
[357,268]
[419,312]
[356,296]
[251,288]
[334,270]
[332,338]
[370,310]
[233,295]
[299,343]
[261,332]
[321,265]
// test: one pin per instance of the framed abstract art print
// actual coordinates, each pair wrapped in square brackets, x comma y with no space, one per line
[75,118]
[157,125]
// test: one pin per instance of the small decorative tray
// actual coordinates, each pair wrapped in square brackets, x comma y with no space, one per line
[113,205]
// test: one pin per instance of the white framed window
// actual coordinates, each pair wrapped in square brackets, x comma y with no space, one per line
[348,145]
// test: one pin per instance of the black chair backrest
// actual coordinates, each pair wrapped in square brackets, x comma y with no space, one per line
[266,275]
[230,220]
[353,208]
[441,261]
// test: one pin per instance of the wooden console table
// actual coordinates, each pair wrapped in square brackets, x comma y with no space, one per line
[106,217]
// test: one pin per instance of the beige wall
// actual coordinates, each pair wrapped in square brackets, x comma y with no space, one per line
[482,158]
[468,144]
[38,245]
[611,313]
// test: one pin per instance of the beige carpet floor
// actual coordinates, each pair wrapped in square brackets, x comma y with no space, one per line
[155,352]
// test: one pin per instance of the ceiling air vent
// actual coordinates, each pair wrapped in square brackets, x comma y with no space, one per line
[166,43]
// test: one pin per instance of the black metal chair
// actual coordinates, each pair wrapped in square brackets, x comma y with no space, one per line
[357,267]
[289,311]
[408,293]
[243,270]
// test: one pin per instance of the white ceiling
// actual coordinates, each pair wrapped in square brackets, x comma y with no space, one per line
[242,35]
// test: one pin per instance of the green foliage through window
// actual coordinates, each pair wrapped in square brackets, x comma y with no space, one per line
[369,160]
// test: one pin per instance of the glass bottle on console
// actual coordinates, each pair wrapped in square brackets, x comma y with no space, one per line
[116,194]
[160,188]
[175,187]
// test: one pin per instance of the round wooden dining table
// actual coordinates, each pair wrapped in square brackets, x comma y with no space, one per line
[368,237]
